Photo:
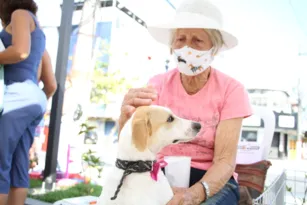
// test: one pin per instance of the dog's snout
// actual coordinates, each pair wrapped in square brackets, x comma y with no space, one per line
[196,126]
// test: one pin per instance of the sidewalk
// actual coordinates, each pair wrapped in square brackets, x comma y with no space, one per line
[279,165]
[35,202]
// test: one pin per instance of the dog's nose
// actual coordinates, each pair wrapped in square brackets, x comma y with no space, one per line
[196,126]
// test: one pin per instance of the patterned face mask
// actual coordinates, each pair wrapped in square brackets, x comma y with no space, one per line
[191,61]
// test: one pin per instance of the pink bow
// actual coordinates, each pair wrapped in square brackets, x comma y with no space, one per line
[155,169]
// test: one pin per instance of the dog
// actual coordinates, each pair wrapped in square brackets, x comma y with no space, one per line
[137,178]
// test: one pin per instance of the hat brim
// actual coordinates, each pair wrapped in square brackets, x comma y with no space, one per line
[164,33]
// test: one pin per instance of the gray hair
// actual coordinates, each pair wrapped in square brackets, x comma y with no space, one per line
[215,37]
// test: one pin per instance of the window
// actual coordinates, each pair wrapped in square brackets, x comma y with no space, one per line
[110,128]
[278,101]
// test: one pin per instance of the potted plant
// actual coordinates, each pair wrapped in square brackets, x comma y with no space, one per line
[92,166]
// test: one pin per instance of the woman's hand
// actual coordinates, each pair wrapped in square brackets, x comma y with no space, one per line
[179,190]
[194,195]
[133,99]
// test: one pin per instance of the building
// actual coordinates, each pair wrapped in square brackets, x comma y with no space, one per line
[286,135]
[132,50]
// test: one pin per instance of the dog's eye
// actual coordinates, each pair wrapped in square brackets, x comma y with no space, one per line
[170,119]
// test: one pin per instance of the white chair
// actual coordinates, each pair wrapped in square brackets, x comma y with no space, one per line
[252,163]
[255,151]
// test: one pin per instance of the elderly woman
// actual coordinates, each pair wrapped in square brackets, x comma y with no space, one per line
[201,93]
[24,101]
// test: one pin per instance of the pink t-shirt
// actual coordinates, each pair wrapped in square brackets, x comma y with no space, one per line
[220,99]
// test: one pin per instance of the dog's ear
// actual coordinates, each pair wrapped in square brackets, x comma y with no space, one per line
[141,131]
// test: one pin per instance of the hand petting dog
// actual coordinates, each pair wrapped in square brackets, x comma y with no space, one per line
[194,195]
[135,98]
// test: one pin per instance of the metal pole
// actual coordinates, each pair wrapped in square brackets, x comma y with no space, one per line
[57,101]
[299,105]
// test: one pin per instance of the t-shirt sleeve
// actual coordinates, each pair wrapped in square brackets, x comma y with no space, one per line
[156,82]
[236,103]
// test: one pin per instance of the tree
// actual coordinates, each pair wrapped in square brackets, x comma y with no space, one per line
[106,84]
[83,58]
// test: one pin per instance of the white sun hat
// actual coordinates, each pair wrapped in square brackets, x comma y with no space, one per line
[193,14]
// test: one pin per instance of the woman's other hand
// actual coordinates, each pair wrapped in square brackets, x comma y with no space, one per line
[194,195]
[135,98]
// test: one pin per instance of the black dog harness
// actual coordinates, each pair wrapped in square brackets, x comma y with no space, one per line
[130,167]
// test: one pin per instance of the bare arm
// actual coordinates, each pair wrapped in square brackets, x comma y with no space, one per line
[225,152]
[47,76]
[21,38]
[219,173]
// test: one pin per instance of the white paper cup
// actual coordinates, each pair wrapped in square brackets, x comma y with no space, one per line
[178,171]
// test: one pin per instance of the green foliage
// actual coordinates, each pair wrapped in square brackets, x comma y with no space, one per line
[105,84]
[75,191]
[92,161]
[35,183]
[90,158]
[85,128]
